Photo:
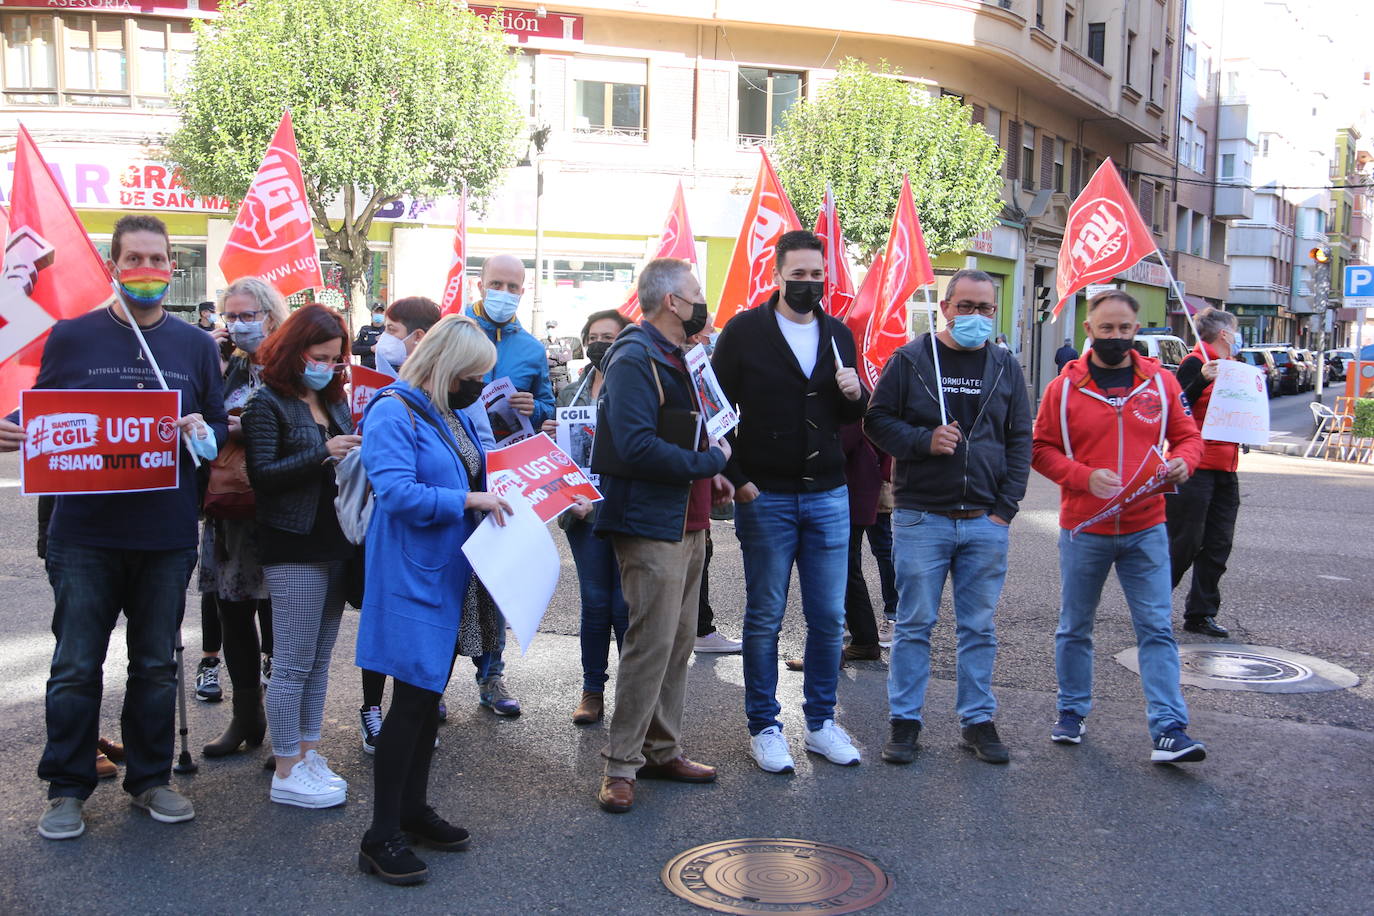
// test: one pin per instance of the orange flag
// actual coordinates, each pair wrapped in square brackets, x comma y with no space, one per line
[273,236]
[676,241]
[749,281]
[1103,236]
[52,270]
[452,303]
[839,285]
[906,268]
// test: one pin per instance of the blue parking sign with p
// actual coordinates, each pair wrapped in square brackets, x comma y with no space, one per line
[1359,285]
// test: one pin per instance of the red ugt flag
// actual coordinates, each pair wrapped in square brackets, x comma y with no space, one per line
[273,236]
[862,307]
[676,241]
[839,285]
[1104,235]
[52,271]
[906,268]
[452,303]
[749,281]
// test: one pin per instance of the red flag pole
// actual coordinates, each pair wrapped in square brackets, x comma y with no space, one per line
[1178,293]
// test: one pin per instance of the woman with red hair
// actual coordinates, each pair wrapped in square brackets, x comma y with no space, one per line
[296,427]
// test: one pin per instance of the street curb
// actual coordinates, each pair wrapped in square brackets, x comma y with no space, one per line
[1281,448]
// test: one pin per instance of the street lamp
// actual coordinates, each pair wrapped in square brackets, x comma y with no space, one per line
[1321,260]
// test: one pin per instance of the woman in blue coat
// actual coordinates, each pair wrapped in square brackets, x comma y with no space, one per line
[422,605]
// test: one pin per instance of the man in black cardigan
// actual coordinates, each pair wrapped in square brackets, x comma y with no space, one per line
[789,367]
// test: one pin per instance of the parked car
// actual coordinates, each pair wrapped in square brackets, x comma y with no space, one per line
[1292,374]
[1335,362]
[1168,349]
[1264,361]
[1309,365]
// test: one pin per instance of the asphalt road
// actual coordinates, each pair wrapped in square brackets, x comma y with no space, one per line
[1278,819]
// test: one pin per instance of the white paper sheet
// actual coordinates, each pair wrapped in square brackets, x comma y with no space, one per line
[519,565]
[1238,410]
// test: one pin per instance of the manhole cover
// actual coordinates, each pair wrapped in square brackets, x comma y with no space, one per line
[1262,669]
[776,876]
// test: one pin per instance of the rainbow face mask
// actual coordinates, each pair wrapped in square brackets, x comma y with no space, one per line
[144,287]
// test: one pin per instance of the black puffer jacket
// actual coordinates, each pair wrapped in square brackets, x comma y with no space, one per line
[287,458]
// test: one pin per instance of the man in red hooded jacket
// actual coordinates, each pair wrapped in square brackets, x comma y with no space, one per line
[1097,424]
[1202,514]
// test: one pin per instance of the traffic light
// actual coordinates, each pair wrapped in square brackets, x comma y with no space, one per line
[1320,255]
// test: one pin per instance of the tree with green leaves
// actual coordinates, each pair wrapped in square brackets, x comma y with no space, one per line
[390,99]
[863,131]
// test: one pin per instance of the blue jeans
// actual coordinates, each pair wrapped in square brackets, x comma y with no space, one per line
[491,664]
[1142,567]
[972,553]
[776,531]
[91,586]
[603,606]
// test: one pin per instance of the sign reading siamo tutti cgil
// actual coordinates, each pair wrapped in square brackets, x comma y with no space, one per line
[99,441]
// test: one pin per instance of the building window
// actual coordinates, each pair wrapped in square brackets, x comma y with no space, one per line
[1028,157]
[1040,14]
[1097,42]
[165,52]
[1185,140]
[1130,57]
[1189,59]
[1059,176]
[30,60]
[95,62]
[1068,28]
[1200,150]
[764,96]
[1228,166]
[1154,74]
[609,109]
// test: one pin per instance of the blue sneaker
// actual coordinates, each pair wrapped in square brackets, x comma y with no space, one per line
[1174,746]
[492,694]
[1069,729]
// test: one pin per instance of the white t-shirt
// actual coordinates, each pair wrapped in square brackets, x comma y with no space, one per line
[804,339]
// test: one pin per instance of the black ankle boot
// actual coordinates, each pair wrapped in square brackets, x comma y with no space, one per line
[392,861]
[248,726]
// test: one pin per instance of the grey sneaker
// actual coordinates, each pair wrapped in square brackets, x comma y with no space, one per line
[62,820]
[885,630]
[492,694]
[163,803]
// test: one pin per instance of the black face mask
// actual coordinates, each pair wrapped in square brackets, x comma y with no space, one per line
[804,296]
[469,390]
[697,323]
[1113,349]
[596,352]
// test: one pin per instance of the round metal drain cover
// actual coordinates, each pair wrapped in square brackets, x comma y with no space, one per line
[1262,669]
[776,876]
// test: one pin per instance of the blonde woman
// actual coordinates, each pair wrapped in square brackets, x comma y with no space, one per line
[423,606]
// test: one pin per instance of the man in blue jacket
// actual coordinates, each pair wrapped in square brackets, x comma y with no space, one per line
[649,451]
[521,358]
[123,552]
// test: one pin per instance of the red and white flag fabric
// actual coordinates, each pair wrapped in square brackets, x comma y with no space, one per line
[452,301]
[1103,236]
[906,268]
[52,270]
[676,241]
[749,280]
[273,236]
[839,285]
[856,319]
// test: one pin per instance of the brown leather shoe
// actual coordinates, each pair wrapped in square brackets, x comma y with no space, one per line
[854,653]
[104,767]
[679,769]
[617,794]
[114,751]
[794,664]
[591,709]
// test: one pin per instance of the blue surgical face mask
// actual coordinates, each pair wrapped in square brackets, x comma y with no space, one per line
[971,331]
[247,335]
[377,319]
[317,376]
[499,305]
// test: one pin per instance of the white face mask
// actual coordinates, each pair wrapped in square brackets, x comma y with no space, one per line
[392,349]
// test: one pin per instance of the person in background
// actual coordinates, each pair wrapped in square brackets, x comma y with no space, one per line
[426,466]
[366,341]
[879,536]
[129,553]
[1065,354]
[231,578]
[1098,421]
[598,575]
[1201,516]
[1002,342]
[297,426]
[206,322]
[863,474]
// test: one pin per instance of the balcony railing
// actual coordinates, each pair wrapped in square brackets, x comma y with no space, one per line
[615,133]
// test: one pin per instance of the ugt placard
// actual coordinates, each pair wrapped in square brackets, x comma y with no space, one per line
[99,441]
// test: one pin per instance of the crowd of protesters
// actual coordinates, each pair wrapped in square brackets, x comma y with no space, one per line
[930,467]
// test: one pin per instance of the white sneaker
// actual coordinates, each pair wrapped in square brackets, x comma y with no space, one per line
[305,790]
[832,743]
[319,765]
[715,642]
[769,748]
[885,629]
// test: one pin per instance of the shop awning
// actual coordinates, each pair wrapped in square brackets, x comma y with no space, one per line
[1193,304]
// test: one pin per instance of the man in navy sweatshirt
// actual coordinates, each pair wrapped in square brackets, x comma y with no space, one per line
[125,552]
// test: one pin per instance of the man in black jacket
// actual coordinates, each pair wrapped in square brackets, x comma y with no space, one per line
[365,344]
[648,453]
[961,439]
[789,367]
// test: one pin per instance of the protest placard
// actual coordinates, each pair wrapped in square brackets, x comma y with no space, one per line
[1147,480]
[575,434]
[363,387]
[508,425]
[539,472]
[1238,410]
[99,441]
[519,565]
[717,413]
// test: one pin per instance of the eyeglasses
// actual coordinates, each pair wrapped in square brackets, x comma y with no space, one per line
[240,316]
[986,309]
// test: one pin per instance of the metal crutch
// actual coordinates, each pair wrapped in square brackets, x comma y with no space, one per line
[184,762]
